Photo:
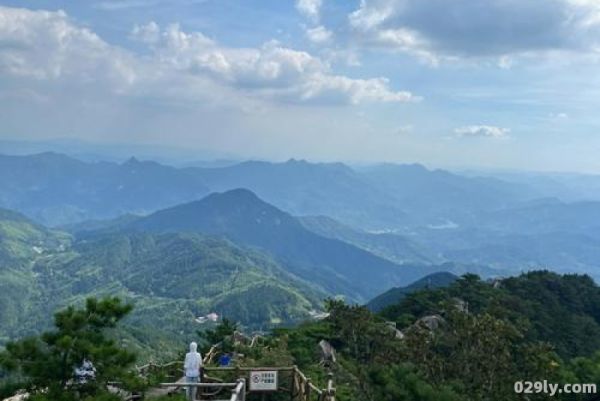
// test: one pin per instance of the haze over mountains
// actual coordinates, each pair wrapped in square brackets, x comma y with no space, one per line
[429,216]
[58,189]
[279,237]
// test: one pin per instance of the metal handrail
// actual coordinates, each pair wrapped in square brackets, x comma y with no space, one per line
[238,392]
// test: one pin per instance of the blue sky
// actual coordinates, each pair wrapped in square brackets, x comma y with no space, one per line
[462,83]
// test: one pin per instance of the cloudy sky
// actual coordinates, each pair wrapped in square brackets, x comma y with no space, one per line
[467,83]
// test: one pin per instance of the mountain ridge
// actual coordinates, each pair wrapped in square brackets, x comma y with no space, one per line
[244,218]
[395,295]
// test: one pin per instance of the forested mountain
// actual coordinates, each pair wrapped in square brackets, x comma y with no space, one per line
[22,243]
[563,310]
[376,227]
[171,278]
[395,295]
[406,214]
[339,267]
[470,340]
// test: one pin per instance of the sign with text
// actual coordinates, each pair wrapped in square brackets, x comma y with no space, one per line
[263,380]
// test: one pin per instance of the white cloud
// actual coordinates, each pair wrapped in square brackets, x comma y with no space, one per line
[488,131]
[439,29]
[319,34]
[148,33]
[356,90]
[505,62]
[123,4]
[405,129]
[43,45]
[558,116]
[309,8]
[119,5]
[271,71]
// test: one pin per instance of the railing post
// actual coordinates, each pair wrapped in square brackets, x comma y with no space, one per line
[243,393]
[330,388]
[293,388]
[307,389]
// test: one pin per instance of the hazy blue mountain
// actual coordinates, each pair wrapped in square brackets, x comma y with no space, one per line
[395,295]
[115,151]
[397,248]
[546,233]
[547,216]
[438,197]
[56,189]
[244,218]
[559,251]
[387,196]
[568,187]
[303,188]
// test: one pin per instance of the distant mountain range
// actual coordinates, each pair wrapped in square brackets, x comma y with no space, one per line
[403,213]
[56,189]
[303,188]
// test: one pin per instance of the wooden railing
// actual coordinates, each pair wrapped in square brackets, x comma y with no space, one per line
[291,380]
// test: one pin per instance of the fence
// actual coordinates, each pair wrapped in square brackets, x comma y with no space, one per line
[291,380]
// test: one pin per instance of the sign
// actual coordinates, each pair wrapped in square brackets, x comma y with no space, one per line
[263,380]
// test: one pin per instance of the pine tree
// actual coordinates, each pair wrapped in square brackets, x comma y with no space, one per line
[48,362]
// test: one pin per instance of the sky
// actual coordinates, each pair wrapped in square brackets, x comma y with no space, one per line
[464,83]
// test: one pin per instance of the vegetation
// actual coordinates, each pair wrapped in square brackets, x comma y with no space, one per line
[47,365]
[561,310]
[480,338]
[171,278]
[469,341]
[395,295]
[336,266]
[222,334]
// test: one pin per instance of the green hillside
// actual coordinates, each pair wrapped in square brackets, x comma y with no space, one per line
[469,341]
[395,295]
[339,267]
[170,278]
[563,310]
[22,243]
